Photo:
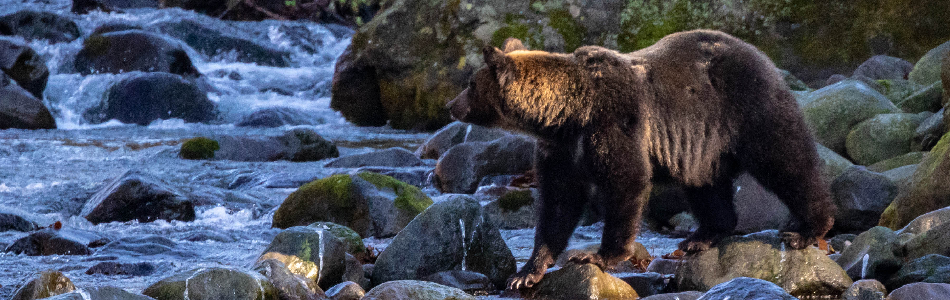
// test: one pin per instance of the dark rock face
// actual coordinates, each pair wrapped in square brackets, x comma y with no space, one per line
[300,144]
[461,168]
[135,196]
[133,50]
[356,93]
[50,242]
[20,109]
[39,25]
[115,268]
[861,196]
[14,222]
[884,67]
[145,97]
[211,42]
[22,64]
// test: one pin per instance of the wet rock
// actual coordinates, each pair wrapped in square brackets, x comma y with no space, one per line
[884,67]
[915,291]
[928,190]
[20,109]
[24,65]
[299,144]
[133,50]
[930,130]
[140,197]
[881,137]
[356,93]
[450,235]
[746,288]
[207,283]
[934,240]
[756,207]
[140,245]
[927,221]
[52,242]
[664,265]
[140,98]
[199,148]
[392,157]
[47,284]
[277,117]
[346,291]
[927,69]
[461,168]
[837,108]
[871,255]
[111,268]
[456,133]
[85,6]
[12,222]
[211,42]
[289,286]
[690,295]
[100,293]
[581,281]
[646,284]
[416,290]
[933,268]
[309,252]
[351,239]
[470,282]
[762,255]
[927,99]
[910,158]
[515,209]
[39,25]
[861,196]
[833,163]
[867,289]
[369,203]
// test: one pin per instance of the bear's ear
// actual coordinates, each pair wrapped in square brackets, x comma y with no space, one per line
[513,44]
[495,58]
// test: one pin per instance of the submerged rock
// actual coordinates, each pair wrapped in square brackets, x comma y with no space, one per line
[24,65]
[133,50]
[212,42]
[140,197]
[763,255]
[52,242]
[213,283]
[140,98]
[277,117]
[20,109]
[39,25]
[299,144]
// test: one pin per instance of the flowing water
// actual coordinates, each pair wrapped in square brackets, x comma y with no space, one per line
[47,175]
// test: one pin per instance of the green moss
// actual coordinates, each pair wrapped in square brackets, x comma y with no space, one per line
[408,198]
[572,32]
[517,27]
[644,22]
[337,188]
[515,200]
[96,45]
[349,237]
[199,148]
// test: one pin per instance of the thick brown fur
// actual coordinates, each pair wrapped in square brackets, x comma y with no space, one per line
[697,108]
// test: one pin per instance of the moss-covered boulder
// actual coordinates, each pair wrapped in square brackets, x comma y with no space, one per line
[835,109]
[833,163]
[763,255]
[910,158]
[351,239]
[450,235]
[310,252]
[47,284]
[213,283]
[929,189]
[871,255]
[39,25]
[24,65]
[928,68]
[881,137]
[927,98]
[582,281]
[370,203]
[897,90]
[198,148]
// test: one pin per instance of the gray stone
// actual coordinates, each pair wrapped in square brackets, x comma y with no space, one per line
[933,268]
[299,144]
[929,131]
[212,42]
[289,286]
[646,284]
[757,208]
[882,136]
[24,65]
[835,109]
[747,288]
[346,291]
[468,281]
[927,99]
[100,293]
[277,117]
[20,109]
[581,281]
[12,222]
[688,295]
[416,290]
[884,67]
[39,25]
[392,157]
[140,197]
[133,50]
[867,289]
[143,97]
[871,255]
[207,283]
[309,252]
[461,168]
[456,133]
[920,291]
[52,242]
[46,284]
[861,196]
[833,163]
[927,221]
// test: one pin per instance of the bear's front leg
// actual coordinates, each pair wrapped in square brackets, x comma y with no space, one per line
[623,170]
[563,196]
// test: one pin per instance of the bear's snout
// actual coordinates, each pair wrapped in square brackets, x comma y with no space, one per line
[459,107]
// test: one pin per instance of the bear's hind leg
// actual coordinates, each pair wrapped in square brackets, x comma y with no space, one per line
[562,195]
[714,210]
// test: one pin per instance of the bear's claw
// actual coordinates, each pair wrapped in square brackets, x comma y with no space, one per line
[524,279]
[797,241]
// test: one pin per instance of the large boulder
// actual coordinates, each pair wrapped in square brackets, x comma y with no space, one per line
[371,204]
[299,144]
[835,109]
[882,136]
[213,283]
[392,157]
[22,64]
[763,255]
[861,196]
[20,109]
[14,222]
[896,90]
[756,207]
[310,252]
[581,281]
[416,290]
[927,69]
[929,189]
[100,293]
[39,25]
[52,242]
[449,235]
[932,268]
[925,99]
[140,197]
[461,168]
[871,255]
[746,288]
[133,50]
[212,42]
[47,284]
[930,130]
[884,67]
[921,290]
[935,240]
[456,133]
[140,98]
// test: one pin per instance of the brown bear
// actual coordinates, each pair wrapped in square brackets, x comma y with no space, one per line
[696,108]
